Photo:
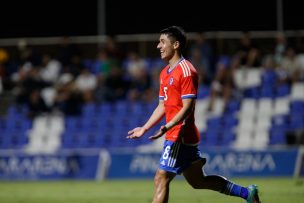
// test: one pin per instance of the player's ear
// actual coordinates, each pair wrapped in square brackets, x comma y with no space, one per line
[176,44]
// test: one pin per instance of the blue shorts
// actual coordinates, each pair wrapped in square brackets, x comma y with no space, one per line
[176,157]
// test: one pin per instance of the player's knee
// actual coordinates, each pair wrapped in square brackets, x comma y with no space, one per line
[161,180]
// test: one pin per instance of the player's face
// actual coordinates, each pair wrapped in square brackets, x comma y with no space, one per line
[166,47]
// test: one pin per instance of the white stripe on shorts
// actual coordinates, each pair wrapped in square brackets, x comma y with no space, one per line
[172,159]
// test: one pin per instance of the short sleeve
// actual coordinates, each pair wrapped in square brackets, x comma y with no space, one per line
[189,86]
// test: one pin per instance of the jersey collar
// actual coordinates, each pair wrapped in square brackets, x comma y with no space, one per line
[169,71]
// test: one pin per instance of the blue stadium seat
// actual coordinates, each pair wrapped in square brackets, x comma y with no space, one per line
[210,138]
[229,121]
[89,110]
[280,120]
[227,137]
[17,124]
[16,111]
[203,91]
[94,139]
[232,106]
[96,66]
[13,139]
[296,121]
[157,63]
[88,63]
[151,106]
[74,139]
[97,124]
[68,140]
[267,91]
[269,77]
[117,139]
[105,108]
[98,140]
[121,107]
[74,123]
[297,106]
[137,108]
[277,136]
[215,122]
[252,92]
[282,90]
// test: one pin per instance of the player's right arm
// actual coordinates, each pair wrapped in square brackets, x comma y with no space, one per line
[157,115]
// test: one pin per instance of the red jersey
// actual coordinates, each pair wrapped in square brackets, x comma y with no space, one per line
[179,83]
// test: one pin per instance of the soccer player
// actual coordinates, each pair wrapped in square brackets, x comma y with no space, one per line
[181,155]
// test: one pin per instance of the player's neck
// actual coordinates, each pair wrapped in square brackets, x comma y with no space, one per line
[174,61]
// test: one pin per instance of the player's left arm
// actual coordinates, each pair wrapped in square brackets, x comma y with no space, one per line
[186,110]
[188,106]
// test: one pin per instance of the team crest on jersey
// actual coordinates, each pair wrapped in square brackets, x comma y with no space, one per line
[171,81]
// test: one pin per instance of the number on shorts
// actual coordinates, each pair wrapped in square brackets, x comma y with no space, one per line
[166,152]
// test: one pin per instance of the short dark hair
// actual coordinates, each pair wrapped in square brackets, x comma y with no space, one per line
[176,33]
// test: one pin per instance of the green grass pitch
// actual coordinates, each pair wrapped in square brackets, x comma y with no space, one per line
[272,190]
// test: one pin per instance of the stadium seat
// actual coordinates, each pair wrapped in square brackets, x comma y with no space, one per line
[232,106]
[137,108]
[227,137]
[243,140]
[211,137]
[264,107]
[229,121]
[246,125]
[247,78]
[248,108]
[277,136]
[280,120]
[89,110]
[282,90]
[263,124]
[252,92]
[121,107]
[203,91]
[281,106]
[74,123]
[105,108]
[218,108]
[297,91]
[267,91]
[157,63]
[19,123]
[269,77]
[215,122]
[297,106]
[296,121]
[67,140]
[260,139]
[10,139]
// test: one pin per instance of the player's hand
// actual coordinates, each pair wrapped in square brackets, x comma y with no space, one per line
[163,129]
[136,133]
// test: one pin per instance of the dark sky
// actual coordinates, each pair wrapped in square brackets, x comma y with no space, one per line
[55,18]
[47,18]
[213,15]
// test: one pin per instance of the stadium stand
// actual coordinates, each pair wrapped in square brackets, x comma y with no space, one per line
[265,106]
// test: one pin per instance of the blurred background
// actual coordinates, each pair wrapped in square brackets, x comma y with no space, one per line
[75,77]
